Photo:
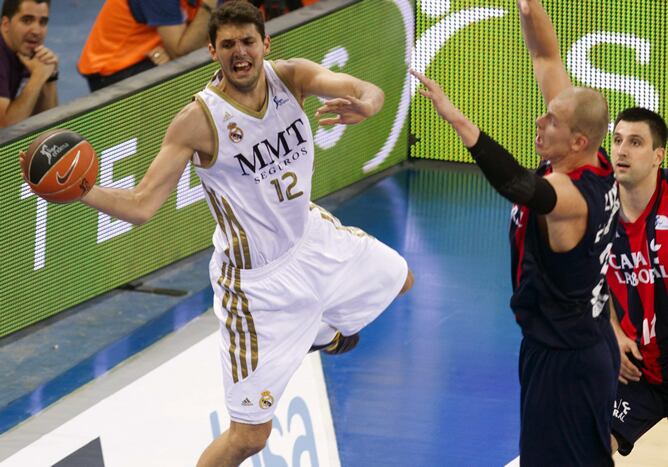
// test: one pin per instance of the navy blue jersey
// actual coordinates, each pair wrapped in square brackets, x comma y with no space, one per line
[560,299]
[638,278]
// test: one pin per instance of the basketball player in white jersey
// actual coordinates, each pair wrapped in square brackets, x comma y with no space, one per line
[286,274]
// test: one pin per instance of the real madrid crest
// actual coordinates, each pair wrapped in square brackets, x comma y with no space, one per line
[236,134]
[267,400]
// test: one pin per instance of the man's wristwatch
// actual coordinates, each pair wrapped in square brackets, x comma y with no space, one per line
[53,77]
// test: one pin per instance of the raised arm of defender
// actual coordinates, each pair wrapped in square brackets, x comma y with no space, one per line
[352,100]
[554,196]
[508,177]
[541,41]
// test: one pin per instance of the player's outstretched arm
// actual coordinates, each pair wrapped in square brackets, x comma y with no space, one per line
[541,40]
[503,172]
[188,132]
[350,99]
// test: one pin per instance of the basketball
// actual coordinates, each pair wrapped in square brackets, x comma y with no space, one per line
[60,166]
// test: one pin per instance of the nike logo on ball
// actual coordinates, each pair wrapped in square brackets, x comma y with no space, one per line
[62,179]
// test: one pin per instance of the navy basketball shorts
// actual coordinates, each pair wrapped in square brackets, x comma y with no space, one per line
[566,396]
[638,407]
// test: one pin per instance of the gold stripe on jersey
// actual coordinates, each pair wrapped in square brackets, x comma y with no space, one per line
[239,106]
[234,241]
[212,124]
[242,236]
[287,83]
[219,216]
[229,322]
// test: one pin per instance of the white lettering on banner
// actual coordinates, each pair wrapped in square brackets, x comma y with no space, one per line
[326,138]
[166,433]
[579,63]
[421,56]
[40,227]
[107,227]
[405,102]
[298,436]
[185,195]
[433,39]
[435,8]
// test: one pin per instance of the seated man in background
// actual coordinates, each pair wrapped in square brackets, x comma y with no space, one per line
[131,36]
[28,70]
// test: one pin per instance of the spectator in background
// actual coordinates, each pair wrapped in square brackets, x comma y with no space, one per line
[28,70]
[131,36]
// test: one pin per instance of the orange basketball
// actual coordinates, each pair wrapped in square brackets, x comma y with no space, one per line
[61,166]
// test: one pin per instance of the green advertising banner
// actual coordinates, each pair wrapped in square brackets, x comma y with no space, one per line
[56,256]
[475,50]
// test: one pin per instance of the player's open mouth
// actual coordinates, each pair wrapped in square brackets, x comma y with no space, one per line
[242,67]
[623,165]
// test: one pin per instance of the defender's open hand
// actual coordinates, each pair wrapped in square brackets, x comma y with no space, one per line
[524,6]
[435,94]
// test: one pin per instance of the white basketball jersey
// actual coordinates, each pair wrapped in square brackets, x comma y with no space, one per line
[258,184]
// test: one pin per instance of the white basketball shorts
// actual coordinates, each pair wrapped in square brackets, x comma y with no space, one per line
[269,316]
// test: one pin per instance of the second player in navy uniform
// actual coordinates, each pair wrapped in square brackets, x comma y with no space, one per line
[562,226]
[638,275]
[285,273]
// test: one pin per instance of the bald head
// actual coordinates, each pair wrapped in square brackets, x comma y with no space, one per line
[589,114]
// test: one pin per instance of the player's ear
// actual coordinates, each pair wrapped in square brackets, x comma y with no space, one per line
[579,142]
[212,51]
[660,154]
[267,44]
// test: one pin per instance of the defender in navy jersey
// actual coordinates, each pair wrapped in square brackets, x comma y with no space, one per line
[562,226]
[286,274]
[638,275]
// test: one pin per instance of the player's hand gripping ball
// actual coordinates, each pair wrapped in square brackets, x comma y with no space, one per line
[60,166]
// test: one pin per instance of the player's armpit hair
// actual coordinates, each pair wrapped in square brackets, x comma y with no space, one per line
[510,179]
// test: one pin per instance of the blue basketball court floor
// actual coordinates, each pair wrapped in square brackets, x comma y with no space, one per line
[433,381]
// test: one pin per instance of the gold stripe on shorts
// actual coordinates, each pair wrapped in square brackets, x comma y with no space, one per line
[233,300]
[249,320]
[229,321]
[241,333]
